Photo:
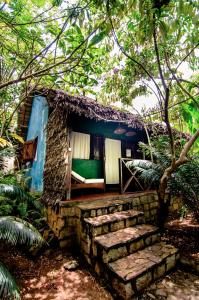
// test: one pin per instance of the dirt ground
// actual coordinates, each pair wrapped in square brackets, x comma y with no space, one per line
[45,278]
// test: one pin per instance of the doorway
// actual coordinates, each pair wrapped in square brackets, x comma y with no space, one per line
[112,155]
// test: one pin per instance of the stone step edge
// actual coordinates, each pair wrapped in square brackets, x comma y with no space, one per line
[135,239]
[88,221]
[105,205]
[150,269]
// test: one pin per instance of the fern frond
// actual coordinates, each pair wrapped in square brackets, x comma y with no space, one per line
[17,231]
[8,286]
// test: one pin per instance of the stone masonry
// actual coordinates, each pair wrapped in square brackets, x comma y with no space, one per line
[63,218]
[115,240]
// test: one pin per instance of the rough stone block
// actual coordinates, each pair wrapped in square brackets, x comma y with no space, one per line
[117,226]
[131,222]
[147,214]
[159,271]
[141,220]
[136,246]
[144,199]
[170,262]
[143,281]
[124,290]
[104,211]
[148,240]
[136,201]
[99,212]
[112,209]
[154,238]
[153,204]
[93,213]
[153,212]
[114,254]
[94,248]
[97,231]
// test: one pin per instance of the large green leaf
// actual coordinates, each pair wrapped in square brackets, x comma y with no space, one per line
[97,38]
[8,286]
[17,231]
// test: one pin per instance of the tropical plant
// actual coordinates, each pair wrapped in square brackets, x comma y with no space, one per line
[16,201]
[15,231]
[184,181]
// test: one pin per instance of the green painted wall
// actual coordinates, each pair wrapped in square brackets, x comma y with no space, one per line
[82,124]
[88,168]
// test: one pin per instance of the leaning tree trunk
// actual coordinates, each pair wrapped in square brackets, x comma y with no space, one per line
[164,205]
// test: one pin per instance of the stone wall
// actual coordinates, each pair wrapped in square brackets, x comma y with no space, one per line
[65,217]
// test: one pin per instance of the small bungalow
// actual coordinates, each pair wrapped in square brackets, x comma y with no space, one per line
[76,143]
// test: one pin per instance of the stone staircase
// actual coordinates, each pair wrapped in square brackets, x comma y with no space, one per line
[122,249]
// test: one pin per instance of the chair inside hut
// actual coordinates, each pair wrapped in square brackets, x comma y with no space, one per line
[100,150]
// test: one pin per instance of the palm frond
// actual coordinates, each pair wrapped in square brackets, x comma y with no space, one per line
[17,231]
[150,173]
[8,286]
[14,191]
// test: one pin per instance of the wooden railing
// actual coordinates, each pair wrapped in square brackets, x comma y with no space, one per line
[124,184]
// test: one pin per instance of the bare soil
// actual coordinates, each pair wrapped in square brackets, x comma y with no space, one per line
[184,234]
[45,277]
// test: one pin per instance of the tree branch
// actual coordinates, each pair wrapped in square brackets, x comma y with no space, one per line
[130,57]
[42,72]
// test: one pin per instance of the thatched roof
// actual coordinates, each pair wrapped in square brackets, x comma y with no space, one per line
[83,106]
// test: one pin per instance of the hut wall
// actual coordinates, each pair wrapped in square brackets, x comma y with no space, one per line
[37,128]
[56,178]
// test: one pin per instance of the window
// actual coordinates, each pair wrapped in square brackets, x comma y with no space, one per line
[29,150]
[97,147]
[80,144]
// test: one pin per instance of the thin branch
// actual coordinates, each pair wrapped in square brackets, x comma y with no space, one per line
[158,58]
[41,72]
[130,57]
[189,53]
[178,82]
[171,106]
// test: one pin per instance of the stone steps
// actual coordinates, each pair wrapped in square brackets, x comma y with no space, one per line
[122,249]
[131,274]
[99,208]
[123,242]
[109,223]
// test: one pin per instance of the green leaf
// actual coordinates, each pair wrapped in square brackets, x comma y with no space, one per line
[97,38]
[8,286]
[57,2]
[16,231]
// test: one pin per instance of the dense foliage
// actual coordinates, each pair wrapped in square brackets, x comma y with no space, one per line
[184,181]
[15,231]
[104,48]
